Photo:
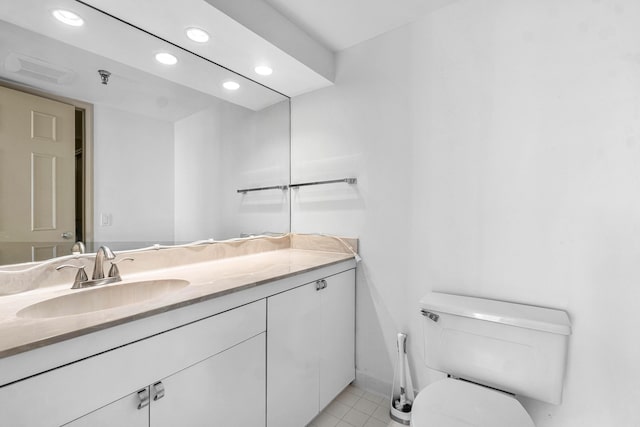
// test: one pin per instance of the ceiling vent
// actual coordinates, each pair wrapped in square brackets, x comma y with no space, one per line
[34,68]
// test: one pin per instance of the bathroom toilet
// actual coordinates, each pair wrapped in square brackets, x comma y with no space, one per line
[491,351]
[451,402]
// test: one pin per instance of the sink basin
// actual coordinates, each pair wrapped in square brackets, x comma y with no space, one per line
[86,301]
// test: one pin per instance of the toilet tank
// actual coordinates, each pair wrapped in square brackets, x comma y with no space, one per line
[521,349]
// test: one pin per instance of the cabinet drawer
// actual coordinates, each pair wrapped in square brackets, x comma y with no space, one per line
[65,393]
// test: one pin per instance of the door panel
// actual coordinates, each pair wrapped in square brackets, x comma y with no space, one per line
[292,354]
[43,192]
[337,354]
[37,168]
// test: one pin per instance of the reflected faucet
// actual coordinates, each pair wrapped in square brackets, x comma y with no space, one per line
[98,270]
[78,248]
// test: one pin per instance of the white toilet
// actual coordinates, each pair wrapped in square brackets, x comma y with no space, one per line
[491,351]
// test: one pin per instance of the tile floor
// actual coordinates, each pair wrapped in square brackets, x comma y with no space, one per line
[355,407]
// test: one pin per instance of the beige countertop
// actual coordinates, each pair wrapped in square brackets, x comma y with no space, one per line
[207,279]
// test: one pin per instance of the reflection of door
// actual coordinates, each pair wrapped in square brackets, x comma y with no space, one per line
[37,187]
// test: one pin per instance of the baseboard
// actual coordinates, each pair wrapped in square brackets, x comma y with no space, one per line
[372,384]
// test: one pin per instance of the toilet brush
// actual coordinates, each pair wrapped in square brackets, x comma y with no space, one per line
[402,393]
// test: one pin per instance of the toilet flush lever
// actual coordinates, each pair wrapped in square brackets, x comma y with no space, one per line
[430,315]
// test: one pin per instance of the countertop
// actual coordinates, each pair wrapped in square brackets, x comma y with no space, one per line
[208,280]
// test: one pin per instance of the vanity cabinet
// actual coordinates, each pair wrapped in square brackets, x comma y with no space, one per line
[310,348]
[271,355]
[217,390]
[210,369]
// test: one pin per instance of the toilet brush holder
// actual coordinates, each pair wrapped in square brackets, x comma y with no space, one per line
[402,393]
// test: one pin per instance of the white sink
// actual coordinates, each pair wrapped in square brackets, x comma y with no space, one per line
[102,298]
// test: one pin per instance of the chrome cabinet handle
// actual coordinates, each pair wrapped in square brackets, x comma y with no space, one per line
[66,235]
[143,397]
[158,390]
[321,284]
[430,315]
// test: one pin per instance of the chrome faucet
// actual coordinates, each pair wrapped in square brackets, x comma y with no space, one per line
[81,279]
[98,270]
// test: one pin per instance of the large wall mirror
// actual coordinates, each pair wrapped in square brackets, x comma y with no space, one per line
[102,143]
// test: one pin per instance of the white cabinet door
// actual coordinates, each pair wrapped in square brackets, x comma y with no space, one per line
[293,319]
[337,340]
[121,413]
[310,348]
[227,389]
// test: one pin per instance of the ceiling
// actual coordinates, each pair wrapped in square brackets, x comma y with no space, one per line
[235,43]
[36,61]
[28,29]
[297,38]
[339,24]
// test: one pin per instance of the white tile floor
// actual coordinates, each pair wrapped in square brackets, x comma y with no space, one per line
[356,408]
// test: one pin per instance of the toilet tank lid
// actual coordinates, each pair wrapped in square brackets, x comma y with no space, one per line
[520,315]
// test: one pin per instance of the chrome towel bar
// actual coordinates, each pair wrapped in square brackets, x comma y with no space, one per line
[331,181]
[273,187]
[302,184]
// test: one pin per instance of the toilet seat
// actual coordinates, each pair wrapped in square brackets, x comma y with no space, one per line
[458,403]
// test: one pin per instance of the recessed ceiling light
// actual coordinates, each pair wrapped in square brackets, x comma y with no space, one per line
[231,85]
[197,34]
[166,58]
[68,17]
[263,70]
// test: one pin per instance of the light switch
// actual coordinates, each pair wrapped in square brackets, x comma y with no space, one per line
[105,220]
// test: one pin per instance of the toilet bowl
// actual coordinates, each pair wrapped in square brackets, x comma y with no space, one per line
[458,403]
[491,351]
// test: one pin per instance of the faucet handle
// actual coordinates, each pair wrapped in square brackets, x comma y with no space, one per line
[78,248]
[81,275]
[114,271]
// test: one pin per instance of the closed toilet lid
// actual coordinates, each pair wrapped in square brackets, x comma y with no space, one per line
[457,403]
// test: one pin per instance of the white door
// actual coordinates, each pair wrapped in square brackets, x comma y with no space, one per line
[227,389]
[337,341]
[293,345]
[121,413]
[37,169]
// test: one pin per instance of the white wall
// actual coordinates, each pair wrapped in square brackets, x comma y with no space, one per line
[133,176]
[198,182]
[360,128]
[165,181]
[223,149]
[497,146]
[255,153]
